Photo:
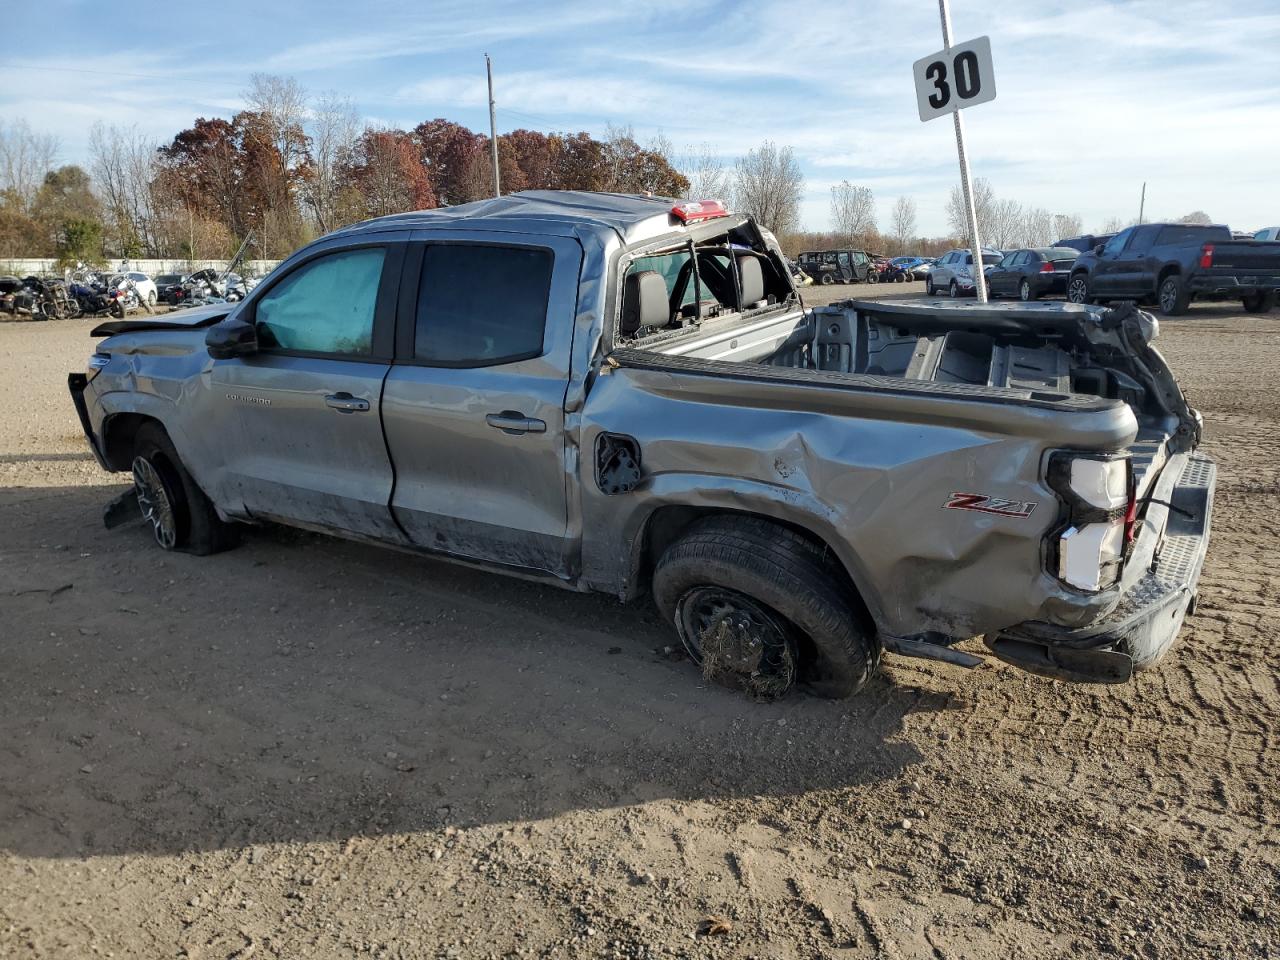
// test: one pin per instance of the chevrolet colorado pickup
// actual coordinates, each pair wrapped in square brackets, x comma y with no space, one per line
[626,394]
[1171,264]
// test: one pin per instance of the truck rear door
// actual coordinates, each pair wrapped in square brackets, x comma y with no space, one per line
[473,407]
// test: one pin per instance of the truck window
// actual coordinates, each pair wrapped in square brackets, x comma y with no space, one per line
[668,266]
[481,304]
[325,306]
[1143,239]
[1188,234]
[1116,243]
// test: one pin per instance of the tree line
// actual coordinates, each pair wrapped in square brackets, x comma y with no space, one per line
[291,166]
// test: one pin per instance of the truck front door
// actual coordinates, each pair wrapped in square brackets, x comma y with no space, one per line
[298,435]
[473,407]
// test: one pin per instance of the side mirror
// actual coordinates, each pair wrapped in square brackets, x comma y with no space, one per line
[1097,251]
[231,338]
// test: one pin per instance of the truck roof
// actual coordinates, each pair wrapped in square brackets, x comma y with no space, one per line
[631,216]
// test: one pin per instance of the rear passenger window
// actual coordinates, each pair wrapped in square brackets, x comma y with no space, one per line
[325,306]
[480,304]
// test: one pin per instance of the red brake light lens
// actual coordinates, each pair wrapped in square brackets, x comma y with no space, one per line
[691,211]
[1046,267]
[1206,256]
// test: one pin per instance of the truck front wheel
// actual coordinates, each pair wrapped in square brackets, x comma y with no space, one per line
[760,608]
[181,517]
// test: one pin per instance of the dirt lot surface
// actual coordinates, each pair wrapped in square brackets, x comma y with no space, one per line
[306,747]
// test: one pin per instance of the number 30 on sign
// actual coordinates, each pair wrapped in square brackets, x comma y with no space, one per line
[951,79]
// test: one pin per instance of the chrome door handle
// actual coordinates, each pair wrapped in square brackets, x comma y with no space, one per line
[509,421]
[346,403]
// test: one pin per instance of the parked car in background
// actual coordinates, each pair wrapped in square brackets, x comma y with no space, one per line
[893,271]
[922,269]
[1175,263]
[913,267]
[1270,233]
[1031,273]
[838,266]
[1085,242]
[953,273]
[144,286]
[165,285]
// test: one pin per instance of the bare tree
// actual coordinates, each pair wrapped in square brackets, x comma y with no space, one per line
[984,201]
[1067,225]
[334,130]
[283,104]
[853,210]
[1196,217]
[1037,227]
[769,186]
[26,158]
[708,178]
[1114,225]
[902,224]
[123,163]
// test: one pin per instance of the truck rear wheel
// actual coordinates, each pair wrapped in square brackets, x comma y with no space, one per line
[1173,296]
[1259,302]
[181,517]
[760,608]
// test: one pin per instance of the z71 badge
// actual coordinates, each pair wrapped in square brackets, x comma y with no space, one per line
[1001,508]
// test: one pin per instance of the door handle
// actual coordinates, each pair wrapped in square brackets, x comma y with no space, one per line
[346,403]
[513,422]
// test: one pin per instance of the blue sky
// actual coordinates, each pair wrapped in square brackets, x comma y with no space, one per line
[1094,96]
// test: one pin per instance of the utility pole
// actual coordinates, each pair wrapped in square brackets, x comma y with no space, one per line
[979,278]
[1142,205]
[493,129]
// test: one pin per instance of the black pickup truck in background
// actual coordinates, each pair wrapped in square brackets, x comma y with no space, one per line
[1170,264]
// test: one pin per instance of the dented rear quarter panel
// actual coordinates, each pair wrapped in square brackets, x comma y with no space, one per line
[869,471]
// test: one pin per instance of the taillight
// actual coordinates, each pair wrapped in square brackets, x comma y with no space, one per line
[1046,267]
[1206,256]
[1101,510]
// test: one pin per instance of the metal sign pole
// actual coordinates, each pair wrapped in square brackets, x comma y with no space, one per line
[979,280]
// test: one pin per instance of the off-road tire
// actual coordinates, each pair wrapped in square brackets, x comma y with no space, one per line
[1258,302]
[781,570]
[1173,296]
[197,526]
[826,280]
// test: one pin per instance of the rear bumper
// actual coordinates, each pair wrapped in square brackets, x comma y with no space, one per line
[76,383]
[1043,283]
[1233,285]
[1150,613]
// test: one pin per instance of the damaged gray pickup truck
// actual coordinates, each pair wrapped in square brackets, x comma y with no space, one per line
[626,394]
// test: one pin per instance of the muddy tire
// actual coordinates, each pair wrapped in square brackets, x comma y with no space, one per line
[759,607]
[180,516]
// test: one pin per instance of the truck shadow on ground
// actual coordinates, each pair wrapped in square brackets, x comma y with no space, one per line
[304,688]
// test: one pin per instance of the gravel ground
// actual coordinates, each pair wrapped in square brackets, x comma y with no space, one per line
[307,747]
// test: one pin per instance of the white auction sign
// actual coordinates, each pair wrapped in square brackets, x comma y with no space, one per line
[960,76]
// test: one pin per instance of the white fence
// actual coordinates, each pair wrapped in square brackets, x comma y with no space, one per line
[27,267]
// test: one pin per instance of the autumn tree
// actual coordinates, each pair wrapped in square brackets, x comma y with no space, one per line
[388,173]
[69,214]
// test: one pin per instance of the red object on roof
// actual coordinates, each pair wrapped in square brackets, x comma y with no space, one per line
[691,211]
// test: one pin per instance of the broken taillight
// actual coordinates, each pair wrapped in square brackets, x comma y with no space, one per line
[691,211]
[1206,256]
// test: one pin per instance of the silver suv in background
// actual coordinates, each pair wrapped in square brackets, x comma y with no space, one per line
[953,273]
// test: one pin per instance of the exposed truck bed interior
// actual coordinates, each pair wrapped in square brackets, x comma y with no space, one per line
[1015,351]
